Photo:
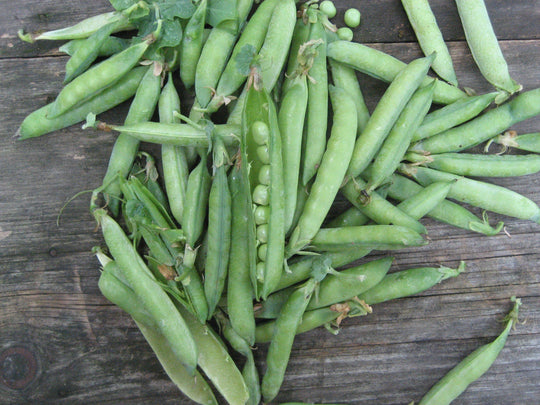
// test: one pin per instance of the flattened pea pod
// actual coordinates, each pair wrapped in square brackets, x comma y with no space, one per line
[260,112]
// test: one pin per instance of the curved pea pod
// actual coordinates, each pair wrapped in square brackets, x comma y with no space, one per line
[484,45]
[193,386]
[382,237]
[452,115]
[330,173]
[333,289]
[526,105]
[109,47]
[377,208]
[37,123]
[192,44]
[284,332]
[398,140]
[173,158]
[479,165]
[430,37]
[242,257]
[528,142]
[170,322]
[317,107]
[408,282]
[216,362]
[219,231]
[94,80]
[385,67]
[479,194]
[386,113]
[402,188]
[259,107]
[471,367]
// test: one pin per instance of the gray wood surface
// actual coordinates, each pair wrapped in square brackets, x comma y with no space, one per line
[61,342]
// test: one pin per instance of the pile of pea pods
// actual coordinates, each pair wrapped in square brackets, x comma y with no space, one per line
[232,229]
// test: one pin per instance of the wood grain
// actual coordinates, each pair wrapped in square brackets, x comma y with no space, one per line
[88,351]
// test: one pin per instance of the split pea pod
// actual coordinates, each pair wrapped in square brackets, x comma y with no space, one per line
[284,331]
[430,37]
[317,107]
[386,113]
[385,67]
[94,80]
[480,165]
[526,105]
[484,46]
[243,256]
[528,142]
[275,48]
[173,158]
[125,147]
[37,123]
[109,47]
[479,194]
[194,386]
[330,173]
[156,301]
[452,115]
[399,138]
[261,144]
[192,44]
[345,77]
[471,367]
[219,230]
[408,282]
[402,188]
[333,289]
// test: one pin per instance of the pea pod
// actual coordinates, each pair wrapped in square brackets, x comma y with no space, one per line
[426,200]
[37,123]
[331,171]
[471,367]
[300,36]
[192,44]
[528,142]
[262,147]
[219,230]
[94,80]
[109,47]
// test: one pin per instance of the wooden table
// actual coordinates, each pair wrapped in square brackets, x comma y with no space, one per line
[61,342]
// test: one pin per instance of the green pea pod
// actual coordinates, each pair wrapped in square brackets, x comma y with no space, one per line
[243,256]
[284,331]
[426,200]
[259,107]
[385,67]
[526,105]
[88,51]
[401,188]
[219,231]
[399,138]
[471,367]
[125,147]
[96,79]
[193,386]
[387,112]
[37,123]
[192,44]
[528,142]
[173,158]
[333,289]
[330,173]
[479,194]
[300,36]
[351,217]
[109,47]
[216,362]
[408,282]
[171,324]
[317,107]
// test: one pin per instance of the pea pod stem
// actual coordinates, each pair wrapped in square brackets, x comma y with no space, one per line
[528,142]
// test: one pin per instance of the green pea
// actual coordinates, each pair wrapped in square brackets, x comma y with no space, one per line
[262,213]
[260,132]
[328,8]
[260,195]
[352,17]
[260,271]
[262,252]
[262,233]
[345,34]
[263,154]
[264,175]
